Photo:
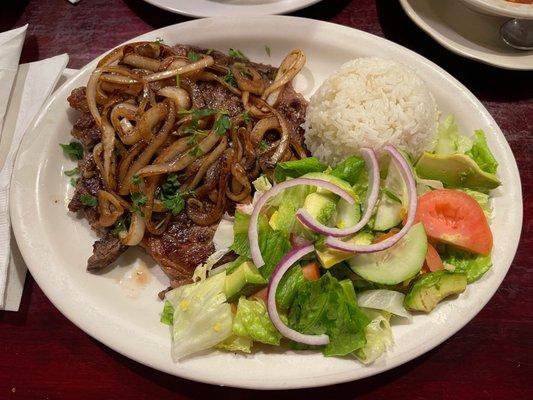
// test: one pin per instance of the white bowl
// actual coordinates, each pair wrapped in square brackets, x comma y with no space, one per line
[502,8]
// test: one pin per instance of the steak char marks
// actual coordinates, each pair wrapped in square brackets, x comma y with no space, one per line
[183,245]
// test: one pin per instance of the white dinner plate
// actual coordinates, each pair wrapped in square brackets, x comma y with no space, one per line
[466,32]
[55,245]
[235,8]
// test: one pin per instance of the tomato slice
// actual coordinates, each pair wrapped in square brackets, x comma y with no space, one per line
[311,271]
[453,217]
[262,295]
[433,260]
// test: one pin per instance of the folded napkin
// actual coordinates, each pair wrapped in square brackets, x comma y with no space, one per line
[34,83]
[10,48]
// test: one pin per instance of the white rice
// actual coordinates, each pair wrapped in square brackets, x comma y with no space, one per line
[370,102]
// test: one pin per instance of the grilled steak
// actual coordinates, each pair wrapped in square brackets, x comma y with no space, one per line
[183,245]
[180,248]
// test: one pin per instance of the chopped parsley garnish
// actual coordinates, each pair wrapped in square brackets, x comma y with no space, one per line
[159,40]
[138,199]
[246,117]
[73,149]
[236,53]
[74,181]
[171,196]
[135,179]
[209,51]
[267,50]
[263,145]
[120,226]
[88,200]
[178,81]
[230,79]
[171,185]
[221,125]
[192,56]
[72,172]
[175,203]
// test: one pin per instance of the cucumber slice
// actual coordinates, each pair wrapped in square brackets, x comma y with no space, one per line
[393,198]
[396,264]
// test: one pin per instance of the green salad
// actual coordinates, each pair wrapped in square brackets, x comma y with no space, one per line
[328,257]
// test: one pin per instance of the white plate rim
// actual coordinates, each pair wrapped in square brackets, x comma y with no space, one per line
[502,8]
[23,220]
[206,8]
[455,47]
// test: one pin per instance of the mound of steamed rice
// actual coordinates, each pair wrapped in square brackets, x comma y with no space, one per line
[370,102]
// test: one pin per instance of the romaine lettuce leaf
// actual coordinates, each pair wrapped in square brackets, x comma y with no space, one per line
[288,287]
[481,153]
[273,244]
[252,321]
[297,168]
[201,319]
[473,265]
[167,314]
[350,169]
[323,306]
[378,337]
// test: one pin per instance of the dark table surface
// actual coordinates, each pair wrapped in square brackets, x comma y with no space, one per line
[44,356]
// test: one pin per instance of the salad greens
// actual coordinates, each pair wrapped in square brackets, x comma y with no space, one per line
[202,318]
[460,261]
[326,306]
[252,321]
[327,292]
[378,335]
[274,244]
[297,168]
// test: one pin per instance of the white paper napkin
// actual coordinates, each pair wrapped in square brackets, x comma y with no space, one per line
[10,48]
[33,85]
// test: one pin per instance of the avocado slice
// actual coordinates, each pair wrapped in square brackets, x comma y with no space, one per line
[321,206]
[329,257]
[243,281]
[457,170]
[431,288]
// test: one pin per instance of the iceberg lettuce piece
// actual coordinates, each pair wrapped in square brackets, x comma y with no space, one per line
[378,337]
[236,343]
[449,140]
[384,300]
[201,319]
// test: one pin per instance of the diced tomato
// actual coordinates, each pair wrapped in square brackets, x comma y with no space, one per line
[382,236]
[262,294]
[453,217]
[311,271]
[433,261]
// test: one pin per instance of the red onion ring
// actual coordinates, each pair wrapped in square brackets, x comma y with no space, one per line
[286,262]
[407,175]
[370,202]
[253,234]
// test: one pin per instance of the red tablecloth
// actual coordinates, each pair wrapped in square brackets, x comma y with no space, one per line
[44,356]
